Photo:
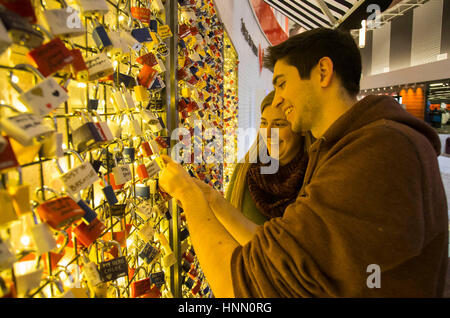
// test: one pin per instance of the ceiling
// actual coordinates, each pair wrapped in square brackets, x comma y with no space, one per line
[345,14]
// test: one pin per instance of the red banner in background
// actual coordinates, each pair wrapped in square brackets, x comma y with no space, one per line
[269,24]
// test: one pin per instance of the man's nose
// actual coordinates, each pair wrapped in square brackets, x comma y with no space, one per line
[277,100]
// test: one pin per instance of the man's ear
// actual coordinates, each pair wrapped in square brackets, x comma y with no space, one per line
[325,68]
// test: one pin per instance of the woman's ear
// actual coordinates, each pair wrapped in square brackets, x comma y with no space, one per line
[325,68]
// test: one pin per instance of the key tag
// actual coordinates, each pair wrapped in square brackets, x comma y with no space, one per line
[25,128]
[78,178]
[64,22]
[46,96]
[59,211]
[114,268]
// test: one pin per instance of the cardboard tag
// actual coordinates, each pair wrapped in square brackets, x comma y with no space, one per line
[79,178]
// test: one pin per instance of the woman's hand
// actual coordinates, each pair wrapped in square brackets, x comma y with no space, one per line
[174,180]
[211,195]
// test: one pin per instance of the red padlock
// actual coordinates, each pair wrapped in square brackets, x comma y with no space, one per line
[112,182]
[8,158]
[142,14]
[87,234]
[146,150]
[142,172]
[21,7]
[51,57]
[147,76]
[59,212]
[78,66]
[147,59]
[154,292]
[161,142]
[196,288]
[140,288]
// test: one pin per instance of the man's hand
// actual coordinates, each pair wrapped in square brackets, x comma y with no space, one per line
[174,180]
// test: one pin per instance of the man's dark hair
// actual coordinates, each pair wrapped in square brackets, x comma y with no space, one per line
[304,51]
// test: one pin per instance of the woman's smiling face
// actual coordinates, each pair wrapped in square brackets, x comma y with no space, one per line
[273,120]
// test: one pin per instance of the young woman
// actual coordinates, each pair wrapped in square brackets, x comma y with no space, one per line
[259,196]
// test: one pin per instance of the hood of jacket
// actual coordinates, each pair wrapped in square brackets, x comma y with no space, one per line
[373,108]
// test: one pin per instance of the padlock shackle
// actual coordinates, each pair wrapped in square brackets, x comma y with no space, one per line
[45,188]
[66,152]
[43,30]
[11,108]
[28,67]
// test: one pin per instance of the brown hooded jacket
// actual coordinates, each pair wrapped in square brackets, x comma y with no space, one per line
[372,199]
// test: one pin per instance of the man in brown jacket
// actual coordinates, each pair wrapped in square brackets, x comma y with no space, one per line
[371,217]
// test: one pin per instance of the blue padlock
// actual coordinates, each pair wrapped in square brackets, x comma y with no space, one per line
[101,37]
[89,214]
[108,191]
[142,35]
[154,25]
[143,191]
[128,155]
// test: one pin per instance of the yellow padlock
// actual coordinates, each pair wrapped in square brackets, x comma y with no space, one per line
[186,92]
[7,213]
[141,94]
[20,195]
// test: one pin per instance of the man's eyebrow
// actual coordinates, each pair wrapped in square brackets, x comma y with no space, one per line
[275,79]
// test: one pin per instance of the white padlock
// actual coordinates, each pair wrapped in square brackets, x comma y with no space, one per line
[147,231]
[46,96]
[78,178]
[64,22]
[93,7]
[25,127]
[99,66]
[27,276]
[43,238]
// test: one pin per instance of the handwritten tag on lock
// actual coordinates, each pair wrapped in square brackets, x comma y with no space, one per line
[79,178]
[46,96]
[152,168]
[122,174]
[113,269]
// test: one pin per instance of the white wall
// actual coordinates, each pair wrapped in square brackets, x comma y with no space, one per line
[253,86]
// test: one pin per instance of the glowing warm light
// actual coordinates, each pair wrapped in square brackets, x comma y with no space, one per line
[25,240]
[81,85]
